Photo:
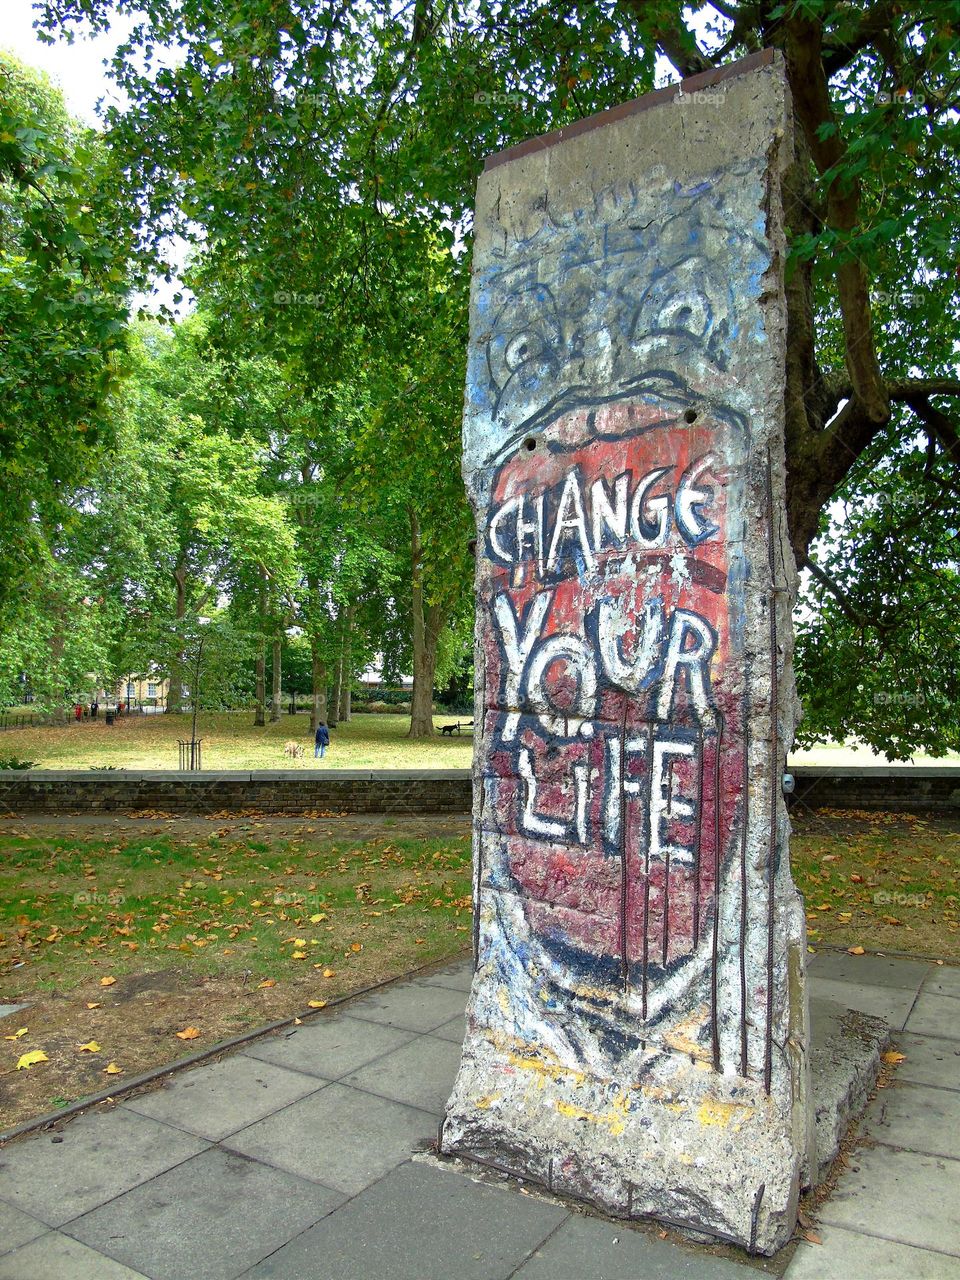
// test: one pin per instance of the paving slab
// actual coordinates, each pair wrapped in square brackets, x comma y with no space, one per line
[419,1223]
[918,1118]
[929,1060]
[329,1048]
[936,1016]
[420,1073]
[848,1255]
[893,1004]
[219,1098]
[900,1195]
[415,1006]
[943,981]
[7,1010]
[17,1227]
[871,971]
[457,978]
[102,1155]
[339,1136]
[212,1217]
[57,1257]
[455,1029]
[607,1251]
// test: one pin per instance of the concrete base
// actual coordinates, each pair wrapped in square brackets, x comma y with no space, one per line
[846,1048]
[844,1063]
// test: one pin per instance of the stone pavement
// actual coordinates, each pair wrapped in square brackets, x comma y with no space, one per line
[291,1159]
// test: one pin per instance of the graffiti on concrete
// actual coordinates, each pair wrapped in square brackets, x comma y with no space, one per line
[637,1020]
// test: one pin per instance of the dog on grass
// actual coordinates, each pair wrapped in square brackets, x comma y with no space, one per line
[293,749]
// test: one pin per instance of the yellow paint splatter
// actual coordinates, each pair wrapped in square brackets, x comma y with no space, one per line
[713,1112]
[614,1118]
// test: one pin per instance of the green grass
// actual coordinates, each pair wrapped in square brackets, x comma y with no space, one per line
[226,906]
[230,741]
[879,880]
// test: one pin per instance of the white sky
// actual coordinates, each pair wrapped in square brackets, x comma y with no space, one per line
[77,68]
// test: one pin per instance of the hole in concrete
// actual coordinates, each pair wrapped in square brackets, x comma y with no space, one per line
[530,443]
[691,415]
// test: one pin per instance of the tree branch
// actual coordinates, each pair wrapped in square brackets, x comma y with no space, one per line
[825,580]
[811,94]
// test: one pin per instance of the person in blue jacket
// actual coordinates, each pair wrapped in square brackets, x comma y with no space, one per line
[322,740]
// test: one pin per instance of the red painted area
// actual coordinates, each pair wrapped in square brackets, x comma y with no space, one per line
[610,852]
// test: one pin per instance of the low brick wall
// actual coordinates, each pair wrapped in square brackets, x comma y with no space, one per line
[295,791]
[896,788]
[291,791]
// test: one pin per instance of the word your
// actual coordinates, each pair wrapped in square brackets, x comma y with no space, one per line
[571,519]
[669,649]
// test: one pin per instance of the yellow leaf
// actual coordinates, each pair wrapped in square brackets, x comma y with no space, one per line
[90,1047]
[329,973]
[356,946]
[317,1004]
[855,951]
[30,1059]
[299,955]
[257,902]
[93,1004]
[299,942]
[321,915]
[188,1033]
[268,982]
[107,982]
[17,1034]
[893,1057]
[111,1069]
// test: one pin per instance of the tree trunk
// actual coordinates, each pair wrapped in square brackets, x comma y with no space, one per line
[426,621]
[346,670]
[337,686]
[260,718]
[276,691]
[318,686]
[175,690]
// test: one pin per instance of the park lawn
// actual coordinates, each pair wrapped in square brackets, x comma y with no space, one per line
[231,741]
[126,941]
[881,881]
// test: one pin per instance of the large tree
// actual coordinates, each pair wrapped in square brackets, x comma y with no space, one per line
[306,138]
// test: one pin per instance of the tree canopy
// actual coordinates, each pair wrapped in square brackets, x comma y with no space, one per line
[322,158]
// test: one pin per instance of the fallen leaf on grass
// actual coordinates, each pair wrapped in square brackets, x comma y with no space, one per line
[299,955]
[893,1057]
[31,1059]
[329,973]
[318,917]
[855,951]
[90,1047]
[93,1004]
[107,982]
[267,982]
[317,1004]
[188,1033]
[17,1034]
[111,1069]
[356,946]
